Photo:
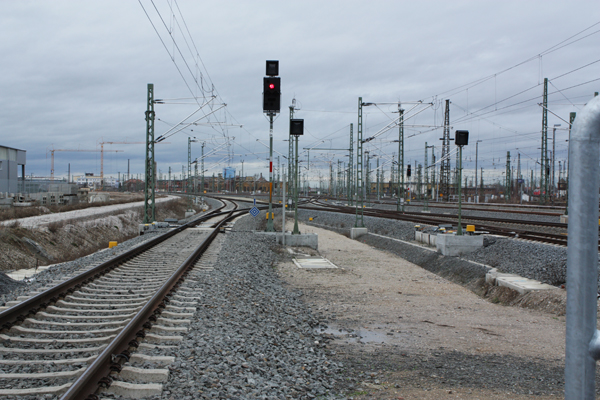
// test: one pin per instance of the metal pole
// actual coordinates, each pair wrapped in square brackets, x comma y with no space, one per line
[359,223]
[351,168]
[571,121]
[434,189]
[583,341]
[400,204]
[476,156]
[378,176]
[291,152]
[459,228]
[283,212]
[270,212]
[296,230]
[544,158]
[203,167]
[149,189]
[553,158]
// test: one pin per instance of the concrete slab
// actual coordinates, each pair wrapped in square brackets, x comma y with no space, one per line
[145,375]
[301,240]
[134,390]
[21,274]
[355,233]
[515,282]
[313,263]
[453,245]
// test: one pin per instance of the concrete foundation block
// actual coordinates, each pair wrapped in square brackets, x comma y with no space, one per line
[302,240]
[355,233]
[515,282]
[453,245]
[134,390]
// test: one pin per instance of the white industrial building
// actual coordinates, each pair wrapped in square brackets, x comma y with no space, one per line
[10,160]
[92,181]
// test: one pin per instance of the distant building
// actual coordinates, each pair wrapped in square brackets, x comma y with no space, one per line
[229,173]
[10,160]
[92,181]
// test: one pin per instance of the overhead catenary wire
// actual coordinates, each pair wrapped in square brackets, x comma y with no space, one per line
[537,56]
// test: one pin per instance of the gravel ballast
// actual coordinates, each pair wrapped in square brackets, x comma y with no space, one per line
[538,261]
[251,338]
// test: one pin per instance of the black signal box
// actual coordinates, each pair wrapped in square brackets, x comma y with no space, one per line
[461,138]
[271,94]
[272,68]
[296,127]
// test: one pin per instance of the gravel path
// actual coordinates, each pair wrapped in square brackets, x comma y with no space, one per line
[92,212]
[407,333]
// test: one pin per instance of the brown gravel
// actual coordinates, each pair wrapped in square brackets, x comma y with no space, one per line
[405,333]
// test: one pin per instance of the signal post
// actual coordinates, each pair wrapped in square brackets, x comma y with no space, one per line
[271,106]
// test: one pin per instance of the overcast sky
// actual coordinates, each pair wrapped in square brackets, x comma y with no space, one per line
[75,74]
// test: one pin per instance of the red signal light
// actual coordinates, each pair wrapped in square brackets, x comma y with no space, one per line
[271,86]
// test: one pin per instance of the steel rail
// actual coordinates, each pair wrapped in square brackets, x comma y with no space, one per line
[474,218]
[97,374]
[418,218]
[486,207]
[19,312]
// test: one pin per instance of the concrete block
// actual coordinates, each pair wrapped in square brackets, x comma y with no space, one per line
[515,282]
[564,219]
[302,240]
[453,245]
[134,390]
[432,240]
[355,233]
[144,375]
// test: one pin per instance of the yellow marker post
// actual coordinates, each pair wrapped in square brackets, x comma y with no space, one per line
[471,228]
[112,244]
[310,219]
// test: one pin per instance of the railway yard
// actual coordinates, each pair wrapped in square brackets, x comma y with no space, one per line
[214,309]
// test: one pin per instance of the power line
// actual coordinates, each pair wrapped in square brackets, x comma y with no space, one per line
[521,102]
[547,51]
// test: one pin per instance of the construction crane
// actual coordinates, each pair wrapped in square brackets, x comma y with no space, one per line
[102,153]
[52,158]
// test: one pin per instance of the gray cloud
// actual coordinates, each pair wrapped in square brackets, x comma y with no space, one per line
[75,74]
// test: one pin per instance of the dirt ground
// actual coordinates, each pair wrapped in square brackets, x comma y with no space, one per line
[405,333]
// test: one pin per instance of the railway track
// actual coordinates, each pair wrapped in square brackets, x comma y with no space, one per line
[90,333]
[436,219]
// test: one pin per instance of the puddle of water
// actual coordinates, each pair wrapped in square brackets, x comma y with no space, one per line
[360,335]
